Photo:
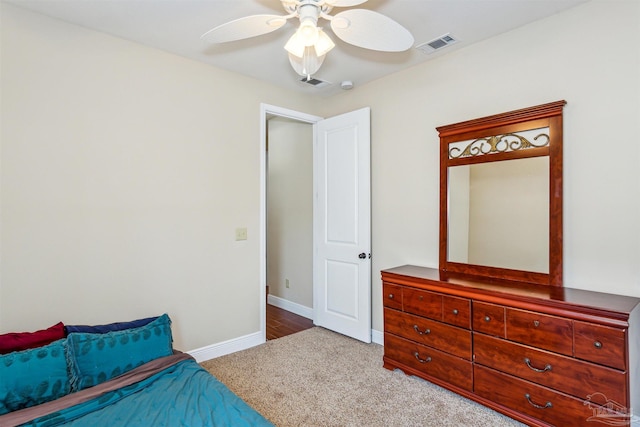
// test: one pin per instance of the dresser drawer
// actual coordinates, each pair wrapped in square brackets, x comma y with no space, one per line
[448,368]
[392,296]
[422,303]
[550,406]
[561,373]
[456,311]
[600,344]
[488,318]
[540,330]
[449,339]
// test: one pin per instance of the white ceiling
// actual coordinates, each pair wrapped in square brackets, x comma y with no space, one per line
[176,26]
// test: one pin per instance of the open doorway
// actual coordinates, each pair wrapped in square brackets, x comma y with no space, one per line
[289,225]
[341,219]
[292,299]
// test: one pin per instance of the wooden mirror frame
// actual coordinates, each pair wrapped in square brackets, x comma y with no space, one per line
[541,116]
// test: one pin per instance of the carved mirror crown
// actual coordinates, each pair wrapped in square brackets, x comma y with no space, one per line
[501,196]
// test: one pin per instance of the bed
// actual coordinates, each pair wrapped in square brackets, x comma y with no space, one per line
[122,374]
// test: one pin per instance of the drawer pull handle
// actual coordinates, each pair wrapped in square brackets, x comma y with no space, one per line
[487,318]
[455,311]
[390,296]
[546,405]
[426,331]
[597,345]
[528,362]
[417,355]
[536,323]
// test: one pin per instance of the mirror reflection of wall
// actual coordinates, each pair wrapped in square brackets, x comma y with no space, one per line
[499,213]
[459,199]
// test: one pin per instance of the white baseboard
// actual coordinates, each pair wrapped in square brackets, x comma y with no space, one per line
[242,343]
[293,307]
[227,347]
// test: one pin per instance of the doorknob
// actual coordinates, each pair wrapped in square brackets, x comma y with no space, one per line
[362,255]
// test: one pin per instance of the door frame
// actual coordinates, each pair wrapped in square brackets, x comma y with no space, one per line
[266,111]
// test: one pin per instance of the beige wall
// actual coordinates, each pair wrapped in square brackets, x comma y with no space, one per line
[588,56]
[125,171]
[290,211]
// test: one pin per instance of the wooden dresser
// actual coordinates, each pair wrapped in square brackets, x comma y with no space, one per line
[543,355]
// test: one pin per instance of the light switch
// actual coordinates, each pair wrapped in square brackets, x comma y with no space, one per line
[241,233]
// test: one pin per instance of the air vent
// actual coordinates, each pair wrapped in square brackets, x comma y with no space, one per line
[437,44]
[314,82]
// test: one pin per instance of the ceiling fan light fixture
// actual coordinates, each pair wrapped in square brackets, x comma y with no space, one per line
[295,46]
[308,32]
[308,64]
[324,43]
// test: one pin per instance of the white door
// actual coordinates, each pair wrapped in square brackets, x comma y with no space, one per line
[342,225]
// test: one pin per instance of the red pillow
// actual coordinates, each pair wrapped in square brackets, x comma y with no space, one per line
[18,341]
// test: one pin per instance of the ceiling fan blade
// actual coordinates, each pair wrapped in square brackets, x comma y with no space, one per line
[371,30]
[344,3]
[244,28]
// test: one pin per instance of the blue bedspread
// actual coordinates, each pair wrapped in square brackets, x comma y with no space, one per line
[183,394]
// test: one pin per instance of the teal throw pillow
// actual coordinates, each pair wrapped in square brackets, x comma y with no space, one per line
[96,358]
[32,377]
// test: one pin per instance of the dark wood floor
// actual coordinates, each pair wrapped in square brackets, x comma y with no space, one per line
[281,322]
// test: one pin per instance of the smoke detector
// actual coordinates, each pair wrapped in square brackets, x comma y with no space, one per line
[346,85]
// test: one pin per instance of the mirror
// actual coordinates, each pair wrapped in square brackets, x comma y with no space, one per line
[498,214]
[501,196]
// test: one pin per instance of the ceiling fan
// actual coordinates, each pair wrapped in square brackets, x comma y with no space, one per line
[308,46]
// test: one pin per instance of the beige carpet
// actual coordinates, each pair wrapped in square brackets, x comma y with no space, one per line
[320,378]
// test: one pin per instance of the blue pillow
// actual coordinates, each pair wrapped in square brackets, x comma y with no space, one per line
[32,377]
[111,327]
[96,358]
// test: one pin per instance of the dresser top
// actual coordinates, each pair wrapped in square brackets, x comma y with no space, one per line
[541,294]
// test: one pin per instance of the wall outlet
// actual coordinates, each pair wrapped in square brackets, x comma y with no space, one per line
[286,283]
[241,233]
